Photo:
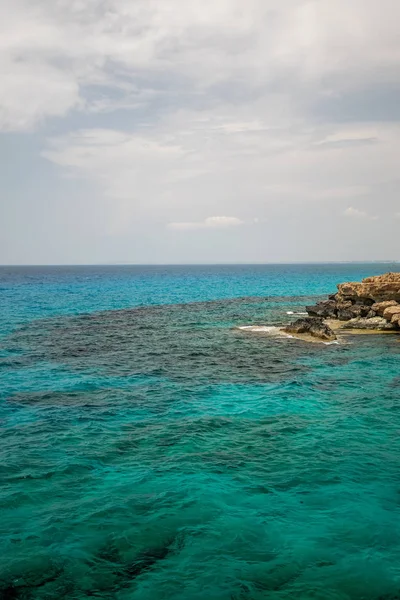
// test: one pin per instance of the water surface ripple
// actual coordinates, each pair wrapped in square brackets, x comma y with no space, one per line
[160,452]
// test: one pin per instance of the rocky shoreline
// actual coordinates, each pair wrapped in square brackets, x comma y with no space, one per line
[370,306]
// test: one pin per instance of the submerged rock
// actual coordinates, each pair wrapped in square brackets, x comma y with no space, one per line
[314,326]
[374,323]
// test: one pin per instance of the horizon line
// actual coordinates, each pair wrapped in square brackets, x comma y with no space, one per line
[200,264]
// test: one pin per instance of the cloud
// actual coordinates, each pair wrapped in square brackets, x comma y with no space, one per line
[151,110]
[208,223]
[125,54]
[184,164]
[355,213]
[29,94]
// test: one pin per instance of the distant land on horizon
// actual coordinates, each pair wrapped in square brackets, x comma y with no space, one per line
[208,264]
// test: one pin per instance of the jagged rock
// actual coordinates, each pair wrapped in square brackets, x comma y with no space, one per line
[379,288]
[371,314]
[346,314]
[314,326]
[325,309]
[351,311]
[391,311]
[380,307]
[385,278]
[364,302]
[343,305]
[376,323]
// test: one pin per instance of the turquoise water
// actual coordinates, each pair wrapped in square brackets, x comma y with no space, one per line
[152,450]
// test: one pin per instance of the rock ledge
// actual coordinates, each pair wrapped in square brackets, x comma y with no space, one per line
[373,304]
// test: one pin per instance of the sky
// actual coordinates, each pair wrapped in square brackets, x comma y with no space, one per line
[199,131]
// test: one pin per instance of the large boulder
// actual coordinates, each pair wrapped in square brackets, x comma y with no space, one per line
[314,326]
[391,311]
[375,323]
[380,307]
[396,320]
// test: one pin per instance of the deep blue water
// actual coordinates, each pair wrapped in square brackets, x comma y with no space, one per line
[150,449]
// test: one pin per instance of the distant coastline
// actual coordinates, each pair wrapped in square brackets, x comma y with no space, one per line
[208,264]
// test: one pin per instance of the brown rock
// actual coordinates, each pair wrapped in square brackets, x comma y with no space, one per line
[396,320]
[380,307]
[391,311]
[385,278]
[380,288]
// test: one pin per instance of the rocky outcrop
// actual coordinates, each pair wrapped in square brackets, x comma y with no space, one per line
[373,303]
[314,326]
[378,289]
[374,323]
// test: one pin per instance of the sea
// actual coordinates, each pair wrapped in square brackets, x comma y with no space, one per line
[158,440]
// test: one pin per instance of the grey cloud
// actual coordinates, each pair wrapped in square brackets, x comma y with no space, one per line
[167,112]
[379,102]
[217,49]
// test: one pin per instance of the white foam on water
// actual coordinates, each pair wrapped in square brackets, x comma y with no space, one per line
[290,312]
[261,328]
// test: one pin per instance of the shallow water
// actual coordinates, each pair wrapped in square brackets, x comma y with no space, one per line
[151,449]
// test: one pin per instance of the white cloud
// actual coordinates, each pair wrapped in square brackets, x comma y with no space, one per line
[170,109]
[125,51]
[358,214]
[208,223]
[179,165]
[30,93]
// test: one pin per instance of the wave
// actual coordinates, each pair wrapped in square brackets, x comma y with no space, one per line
[290,312]
[261,328]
